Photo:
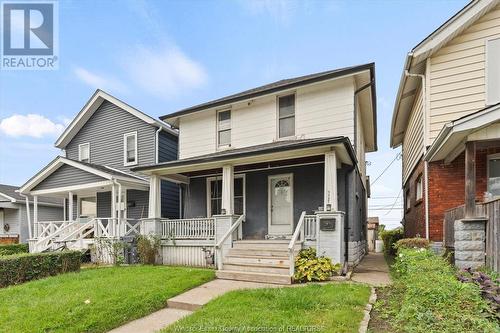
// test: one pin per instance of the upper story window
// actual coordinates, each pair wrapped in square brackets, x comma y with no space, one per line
[494,175]
[130,149]
[493,71]
[84,152]
[286,116]
[224,128]
[418,189]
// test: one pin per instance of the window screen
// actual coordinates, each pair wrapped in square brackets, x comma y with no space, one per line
[224,128]
[286,115]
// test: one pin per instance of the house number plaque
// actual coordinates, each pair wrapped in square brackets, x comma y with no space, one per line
[327,224]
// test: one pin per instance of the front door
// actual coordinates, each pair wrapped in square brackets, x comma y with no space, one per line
[280,204]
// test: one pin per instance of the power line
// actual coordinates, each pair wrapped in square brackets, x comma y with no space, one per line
[398,155]
[400,191]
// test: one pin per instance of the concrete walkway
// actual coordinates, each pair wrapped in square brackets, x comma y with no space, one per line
[184,304]
[372,270]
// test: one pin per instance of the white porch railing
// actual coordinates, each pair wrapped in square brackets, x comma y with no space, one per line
[197,228]
[218,247]
[299,230]
[310,227]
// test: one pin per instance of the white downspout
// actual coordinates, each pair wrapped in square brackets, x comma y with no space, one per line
[426,163]
[157,144]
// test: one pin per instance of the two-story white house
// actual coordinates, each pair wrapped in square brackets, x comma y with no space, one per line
[267,171]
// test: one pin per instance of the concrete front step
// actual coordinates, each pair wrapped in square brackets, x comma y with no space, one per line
[280,270]
[254,277]
[258,252]
[264,245]
[270,261]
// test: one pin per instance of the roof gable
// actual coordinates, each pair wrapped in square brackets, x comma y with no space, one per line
[92,105]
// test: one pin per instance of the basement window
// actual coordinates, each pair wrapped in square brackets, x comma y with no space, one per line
[493,71]
[84,152]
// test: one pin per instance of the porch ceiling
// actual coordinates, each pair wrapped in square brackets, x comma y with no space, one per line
[277,151]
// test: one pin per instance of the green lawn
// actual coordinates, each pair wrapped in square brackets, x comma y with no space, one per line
[313,308]
[114,295]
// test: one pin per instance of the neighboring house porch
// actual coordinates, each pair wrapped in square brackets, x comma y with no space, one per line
[99,201]
[251,209]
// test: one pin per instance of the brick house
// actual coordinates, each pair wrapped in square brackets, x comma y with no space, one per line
[447,120]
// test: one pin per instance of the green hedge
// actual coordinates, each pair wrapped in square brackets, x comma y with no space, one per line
[19,268]
[390,237]
[9,249]
[431,299]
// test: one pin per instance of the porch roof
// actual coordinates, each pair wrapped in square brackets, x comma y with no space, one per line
[101,176]
[10,194]
[280,150]
[450,141]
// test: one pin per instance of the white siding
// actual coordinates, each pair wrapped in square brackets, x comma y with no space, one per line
[491,132]
[360,143]
[321,110]
[413,141]
[457,73]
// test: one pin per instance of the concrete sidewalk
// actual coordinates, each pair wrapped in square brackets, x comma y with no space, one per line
[184,304]
[373,270]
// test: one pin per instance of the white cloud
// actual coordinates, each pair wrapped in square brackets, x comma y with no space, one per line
[32,125]
[281,10]
[166,72]
[98,81]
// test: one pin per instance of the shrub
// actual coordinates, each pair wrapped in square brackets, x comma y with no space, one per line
[106,250]
[148,248]
[390,237]
[9,249]
[310,267]
[19,268]
[431,299]
[412,243]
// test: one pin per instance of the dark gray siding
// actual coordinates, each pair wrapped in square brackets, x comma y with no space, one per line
[356,211]
[169,200]
[104,131]
[67,175]
[167,148]
[75,207]
[103,204]
[137,204]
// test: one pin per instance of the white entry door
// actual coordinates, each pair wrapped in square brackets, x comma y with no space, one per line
[280,205]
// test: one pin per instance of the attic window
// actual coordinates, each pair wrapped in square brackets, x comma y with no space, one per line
[130,149]
[84,152]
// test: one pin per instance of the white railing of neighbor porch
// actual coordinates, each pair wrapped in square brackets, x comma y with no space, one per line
[198,228]
[309,227]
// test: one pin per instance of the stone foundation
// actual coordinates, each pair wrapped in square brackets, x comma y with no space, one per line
[356,252]
[470,238]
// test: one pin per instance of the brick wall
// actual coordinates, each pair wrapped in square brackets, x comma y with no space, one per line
[446,191]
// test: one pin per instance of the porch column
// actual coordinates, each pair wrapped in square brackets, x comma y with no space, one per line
[113,201]
[470,179]
[70,206]
[35,214]
[330,195]
[154,197]
[227,189]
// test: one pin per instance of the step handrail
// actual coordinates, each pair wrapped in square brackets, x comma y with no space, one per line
[84,226]
[291,245]
[218,245]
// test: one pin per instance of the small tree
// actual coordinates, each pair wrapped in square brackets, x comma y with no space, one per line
[148,248]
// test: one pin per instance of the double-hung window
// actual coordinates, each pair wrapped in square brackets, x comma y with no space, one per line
[224,128]
[407,200]
[130,149]
[84,152]
[418,189]
[494,175]
[493,71]
[214,199]
[286,116]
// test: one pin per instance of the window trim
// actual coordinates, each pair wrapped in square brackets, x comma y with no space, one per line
[486,95]
[125,136]
[294,93]
[80,151]
[209,199]
[407,200]
[488,158]
[417,199]
[219,145]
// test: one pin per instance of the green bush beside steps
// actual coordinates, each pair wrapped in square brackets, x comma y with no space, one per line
[20,268]
[9,249]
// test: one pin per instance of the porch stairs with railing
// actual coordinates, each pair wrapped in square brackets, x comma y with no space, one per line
[265,261]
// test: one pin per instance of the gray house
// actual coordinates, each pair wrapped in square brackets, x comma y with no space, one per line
[14,227]
[268,171]
[101,195]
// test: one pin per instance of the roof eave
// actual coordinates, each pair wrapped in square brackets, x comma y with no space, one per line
[402,83]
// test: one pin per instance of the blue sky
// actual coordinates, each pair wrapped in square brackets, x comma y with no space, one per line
[160,56]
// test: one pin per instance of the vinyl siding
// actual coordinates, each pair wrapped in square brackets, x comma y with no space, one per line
[103,204]
[491,132]
[104,131]
[457,73]
[321,110]
[141,200]
[67,175]
[167,148]
[413,141]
